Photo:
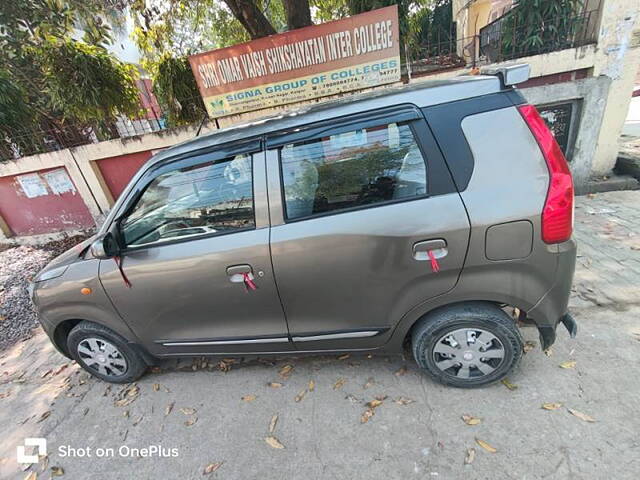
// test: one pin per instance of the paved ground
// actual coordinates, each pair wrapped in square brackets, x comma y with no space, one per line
[417,431]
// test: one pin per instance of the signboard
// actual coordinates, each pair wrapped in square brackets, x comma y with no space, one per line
[353,53]
[59,181]
[32,185]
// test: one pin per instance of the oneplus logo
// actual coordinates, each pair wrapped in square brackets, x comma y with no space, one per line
[41,443]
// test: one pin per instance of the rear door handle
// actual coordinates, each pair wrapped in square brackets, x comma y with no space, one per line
[437,246]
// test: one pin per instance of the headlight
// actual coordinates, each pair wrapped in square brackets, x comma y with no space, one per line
[51,274]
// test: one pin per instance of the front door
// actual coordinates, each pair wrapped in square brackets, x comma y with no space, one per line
[366,224]
[197,243]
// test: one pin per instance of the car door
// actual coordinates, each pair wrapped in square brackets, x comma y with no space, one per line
[196,241]
[359,206]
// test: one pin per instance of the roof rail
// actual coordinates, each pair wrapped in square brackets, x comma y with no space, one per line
[509,75]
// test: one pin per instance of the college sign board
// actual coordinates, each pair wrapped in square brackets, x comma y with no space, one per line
[350,54]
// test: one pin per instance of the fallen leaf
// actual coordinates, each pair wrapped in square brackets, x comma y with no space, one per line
[374,403]
[339,383]
[344,357]
[367,415]
[58,370]
[138,420]
[31,476]
[273,442]
[581,416]
[548,352]
[286,371]
[188,411]
[486,446]
[471,455]
[274,384]
[46,373]
[44,416]
[248,398]
[312,386]
[470,420]
[403,401]
[300,395]
[401,371]
[127,395]
[272,423]
[125,414]
[45,462]
[568,364]
[369,384]
[191,421]
[528,346]
[551,406]
[508,384]
[57,471]
[212,467]
[224,366]
[168,408]
[156,387]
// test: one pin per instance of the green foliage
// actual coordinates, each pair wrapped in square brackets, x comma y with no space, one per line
[86,82]
[176,89]
[536,26]
[13,103]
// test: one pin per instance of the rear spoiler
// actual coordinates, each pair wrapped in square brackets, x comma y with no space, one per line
[509,75]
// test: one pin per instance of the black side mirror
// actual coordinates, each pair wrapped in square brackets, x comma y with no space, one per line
[106,246]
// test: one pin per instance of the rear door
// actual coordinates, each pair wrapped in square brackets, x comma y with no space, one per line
[356,206]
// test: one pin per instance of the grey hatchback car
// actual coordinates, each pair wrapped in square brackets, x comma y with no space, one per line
[436,216]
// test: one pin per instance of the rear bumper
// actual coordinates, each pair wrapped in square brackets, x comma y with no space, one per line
[552,308]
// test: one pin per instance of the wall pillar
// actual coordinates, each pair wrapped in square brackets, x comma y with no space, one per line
[617,57]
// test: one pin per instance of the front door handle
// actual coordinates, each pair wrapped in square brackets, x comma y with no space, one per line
[437,247]
[239,270]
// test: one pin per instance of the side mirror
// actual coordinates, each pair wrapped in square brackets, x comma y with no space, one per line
[105,246]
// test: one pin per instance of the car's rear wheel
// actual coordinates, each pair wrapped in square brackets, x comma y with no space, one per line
[104,354]
[467,345]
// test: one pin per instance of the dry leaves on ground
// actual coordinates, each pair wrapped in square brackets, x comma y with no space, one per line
[401,371]
[367,415]
[403,401]
[188,410]
[551,406]
[344,357]
[127,395]
[486,446]
[168,408]
[57,471]
[339,384]
[286,371]
[548,352]
[273,423]
[471,455]
[248,398]
[44,416]
[528,346]
[156,387]
[300,395]
[191,421]
[312,386]
[273,442]
[212,467]
[568,364]
[369,384]
[470,420]
[509,385]
[274,385]
[581,416]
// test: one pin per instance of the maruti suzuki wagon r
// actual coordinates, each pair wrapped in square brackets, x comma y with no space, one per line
[420,215]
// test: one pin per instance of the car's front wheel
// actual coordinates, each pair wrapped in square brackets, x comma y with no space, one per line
[467,345]
[104,354]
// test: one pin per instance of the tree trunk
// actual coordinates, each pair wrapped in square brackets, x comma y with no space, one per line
[251,18]
[298,13]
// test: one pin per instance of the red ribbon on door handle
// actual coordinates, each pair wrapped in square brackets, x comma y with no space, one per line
[248,283]
[118,261]
[435,266]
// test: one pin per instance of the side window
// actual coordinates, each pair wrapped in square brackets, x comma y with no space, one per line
[213,197]
[352,169]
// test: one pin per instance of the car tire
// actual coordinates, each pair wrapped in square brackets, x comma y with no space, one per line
[468,345]
[104,354]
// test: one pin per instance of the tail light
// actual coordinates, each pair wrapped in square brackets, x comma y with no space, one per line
[557,215]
